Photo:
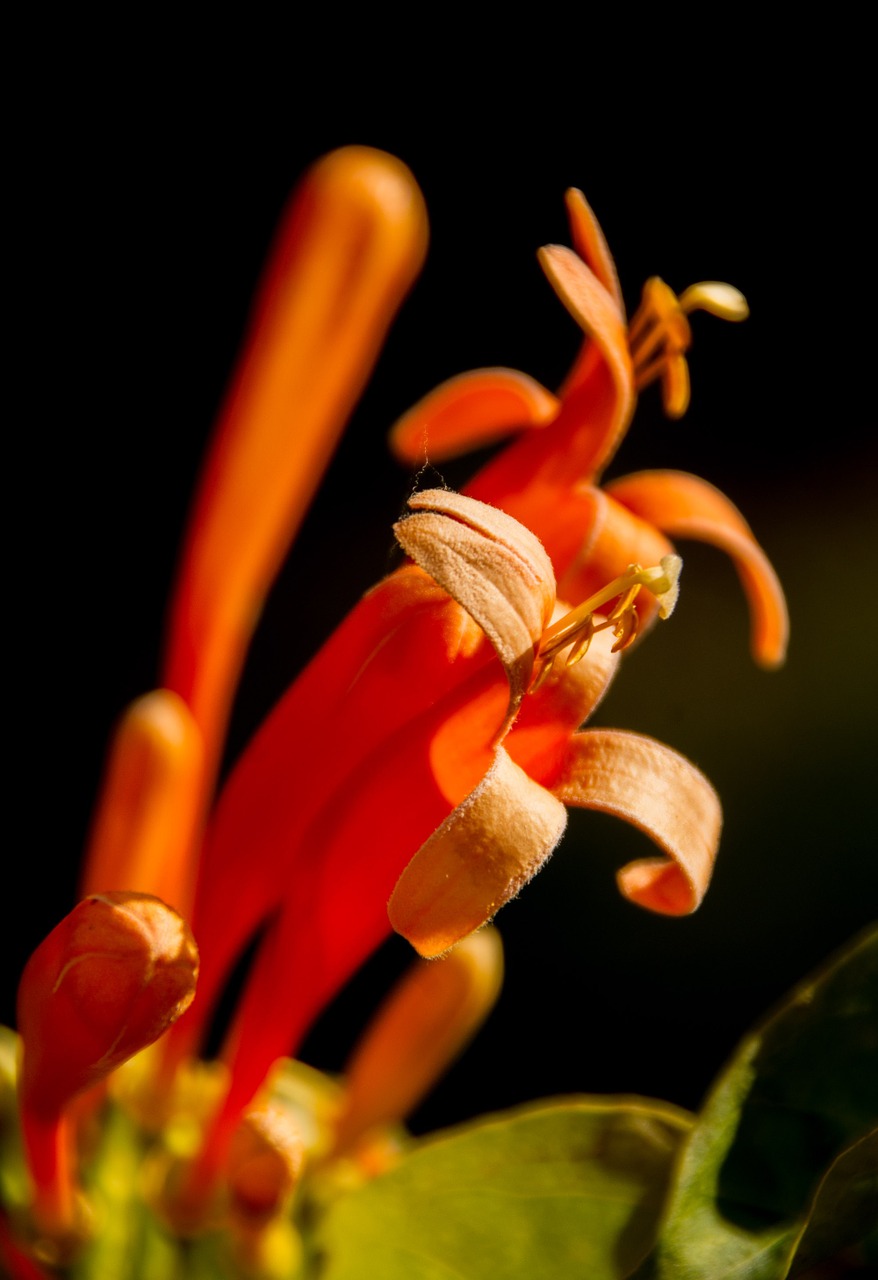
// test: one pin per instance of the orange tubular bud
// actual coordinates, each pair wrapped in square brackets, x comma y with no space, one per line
[347,251]
[419,1031]
[105,983]
[144,826]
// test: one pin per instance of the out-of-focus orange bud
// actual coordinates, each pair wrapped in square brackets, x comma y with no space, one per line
[144,829]
[421,1028]
[265,1161]
[105,983]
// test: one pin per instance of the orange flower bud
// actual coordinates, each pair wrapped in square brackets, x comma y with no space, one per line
[106,982]
[265,1161]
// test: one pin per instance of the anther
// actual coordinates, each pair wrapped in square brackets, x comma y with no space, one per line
[659,334]
[578,627]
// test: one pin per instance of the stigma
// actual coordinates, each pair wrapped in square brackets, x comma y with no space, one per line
[575,630]
[659,334]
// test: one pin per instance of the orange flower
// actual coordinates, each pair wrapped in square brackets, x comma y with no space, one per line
[547,479]
[439,721]
[426,745]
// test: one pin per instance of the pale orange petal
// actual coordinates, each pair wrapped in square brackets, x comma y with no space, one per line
[660,793]
[145,822]
[686,507]
[492,566]
[591,245]
[477,860]
[469,411]
[348,249]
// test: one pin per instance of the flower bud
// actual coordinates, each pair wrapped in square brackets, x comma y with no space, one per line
[265,1161]
[424,1024]
[105,983]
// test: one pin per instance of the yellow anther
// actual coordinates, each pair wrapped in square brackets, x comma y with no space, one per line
[659,334]
[577,627]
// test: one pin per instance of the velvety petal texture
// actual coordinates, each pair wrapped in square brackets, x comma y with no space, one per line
[661,793]
[478,859]
[492,566]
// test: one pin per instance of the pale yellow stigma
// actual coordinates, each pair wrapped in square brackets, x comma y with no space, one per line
[659,334]
[577,627]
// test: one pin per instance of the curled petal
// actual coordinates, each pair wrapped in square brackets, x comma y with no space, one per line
[470,411]
[492,566]
[660,793]
[687,507]
[477,860]
[144,827]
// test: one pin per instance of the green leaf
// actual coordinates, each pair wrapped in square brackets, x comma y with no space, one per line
[560,1189]
[795,1096]
[845,1207]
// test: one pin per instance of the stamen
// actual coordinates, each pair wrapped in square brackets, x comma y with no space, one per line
[659,334]
[577,627]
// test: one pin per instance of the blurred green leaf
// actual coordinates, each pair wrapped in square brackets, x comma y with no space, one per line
[556,1190]
[796,1095]
[845,1208]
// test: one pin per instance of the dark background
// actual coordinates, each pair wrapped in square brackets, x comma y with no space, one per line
[145,193]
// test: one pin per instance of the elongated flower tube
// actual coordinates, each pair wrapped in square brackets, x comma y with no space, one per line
[347,251]
[469,780]
[548,477]
[105,983]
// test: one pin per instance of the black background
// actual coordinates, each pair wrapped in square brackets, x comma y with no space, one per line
[145,188]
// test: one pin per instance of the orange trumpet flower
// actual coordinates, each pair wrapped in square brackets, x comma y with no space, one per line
[548,478]
[470,774]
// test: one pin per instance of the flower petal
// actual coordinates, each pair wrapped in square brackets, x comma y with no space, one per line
[492,566]
[340,875]
[591,245]
[352,241]
[469,411]
[687,507]
[404,647]
[660,793]
[594,310]
[479,858]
